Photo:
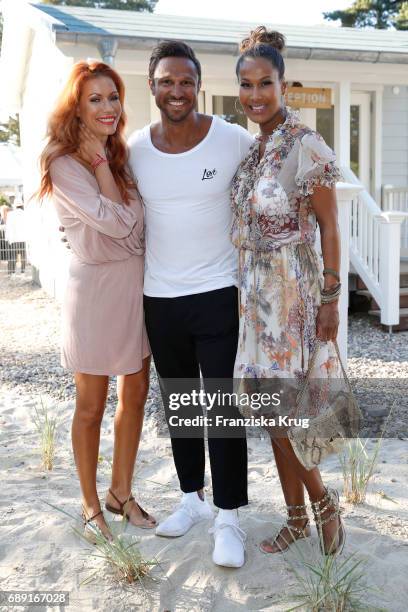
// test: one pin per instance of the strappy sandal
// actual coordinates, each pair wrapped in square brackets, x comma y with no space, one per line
[121,510]
[325,510]
[91,532]
[296,533]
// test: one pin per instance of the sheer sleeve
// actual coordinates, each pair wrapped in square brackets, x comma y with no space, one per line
[316,164]
[74,191]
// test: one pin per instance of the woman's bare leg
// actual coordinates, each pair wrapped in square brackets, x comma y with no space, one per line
[132,395]
[292,474]
[91,392]
[293,491]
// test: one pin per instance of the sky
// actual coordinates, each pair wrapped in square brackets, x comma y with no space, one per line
[294,12]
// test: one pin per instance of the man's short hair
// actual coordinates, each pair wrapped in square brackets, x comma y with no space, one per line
[172,48]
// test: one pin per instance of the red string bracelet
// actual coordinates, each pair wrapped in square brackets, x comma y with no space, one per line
[98,161]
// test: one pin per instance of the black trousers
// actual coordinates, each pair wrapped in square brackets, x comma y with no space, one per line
[188,334]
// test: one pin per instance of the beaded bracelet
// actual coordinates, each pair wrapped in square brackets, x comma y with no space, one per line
[331,290]
[328,290]
[329,300]
[332,273]
[98,161]
[331,294]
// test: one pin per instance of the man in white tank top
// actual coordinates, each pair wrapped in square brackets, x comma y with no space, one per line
[184,165]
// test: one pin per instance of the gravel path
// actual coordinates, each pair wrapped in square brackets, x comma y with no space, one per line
[29,357]
[29,344]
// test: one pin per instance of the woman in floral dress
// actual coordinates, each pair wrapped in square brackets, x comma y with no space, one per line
[287,304]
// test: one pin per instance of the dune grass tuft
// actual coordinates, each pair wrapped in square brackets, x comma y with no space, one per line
[46,426]
[328,583]
[331,584]
[358,466]
[123,558]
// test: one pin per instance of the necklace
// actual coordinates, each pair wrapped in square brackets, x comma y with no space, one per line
[265,137]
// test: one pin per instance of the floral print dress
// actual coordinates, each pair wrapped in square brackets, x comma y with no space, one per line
[280,275]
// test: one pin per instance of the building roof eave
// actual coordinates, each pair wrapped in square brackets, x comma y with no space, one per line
[40,18]
[216,47]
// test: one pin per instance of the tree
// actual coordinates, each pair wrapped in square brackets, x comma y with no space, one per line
[379,14]
[10,131]
[401,22]
[125,5]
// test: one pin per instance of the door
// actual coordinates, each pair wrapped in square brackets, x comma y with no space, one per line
[222,99]
[360,158]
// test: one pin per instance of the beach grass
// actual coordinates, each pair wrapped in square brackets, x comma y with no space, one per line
[328,583]
[331,585]
[358,465]
[122,557]
[46,426]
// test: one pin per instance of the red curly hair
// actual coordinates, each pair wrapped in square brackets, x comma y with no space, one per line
[63,129]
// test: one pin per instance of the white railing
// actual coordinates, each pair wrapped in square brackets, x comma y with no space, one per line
[375,253]
[346,192]
[396,198]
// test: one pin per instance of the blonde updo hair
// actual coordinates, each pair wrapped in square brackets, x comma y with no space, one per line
[268,44]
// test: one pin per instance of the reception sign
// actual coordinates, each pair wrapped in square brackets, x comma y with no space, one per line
[308,97]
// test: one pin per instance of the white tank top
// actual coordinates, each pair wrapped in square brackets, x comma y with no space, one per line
[187,210]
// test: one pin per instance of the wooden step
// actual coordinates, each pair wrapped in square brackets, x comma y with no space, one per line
[403,323]
[402,291]
[361,300]
[403,295]
[404,272]
[377,313]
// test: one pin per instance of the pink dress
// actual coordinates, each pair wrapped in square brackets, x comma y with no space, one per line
[103,329]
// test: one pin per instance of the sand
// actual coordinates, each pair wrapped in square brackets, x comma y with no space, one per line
[39,551]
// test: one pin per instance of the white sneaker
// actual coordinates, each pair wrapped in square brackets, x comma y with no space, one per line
[188,512]
[229,543]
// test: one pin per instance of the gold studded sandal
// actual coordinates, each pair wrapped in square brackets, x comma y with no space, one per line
[325,510]
[296,533]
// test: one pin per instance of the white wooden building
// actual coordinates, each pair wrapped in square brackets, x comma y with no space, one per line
[366,122]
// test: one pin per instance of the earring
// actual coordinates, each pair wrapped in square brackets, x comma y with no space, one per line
[239,111]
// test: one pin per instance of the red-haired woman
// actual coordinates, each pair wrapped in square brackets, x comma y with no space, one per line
[84,168]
